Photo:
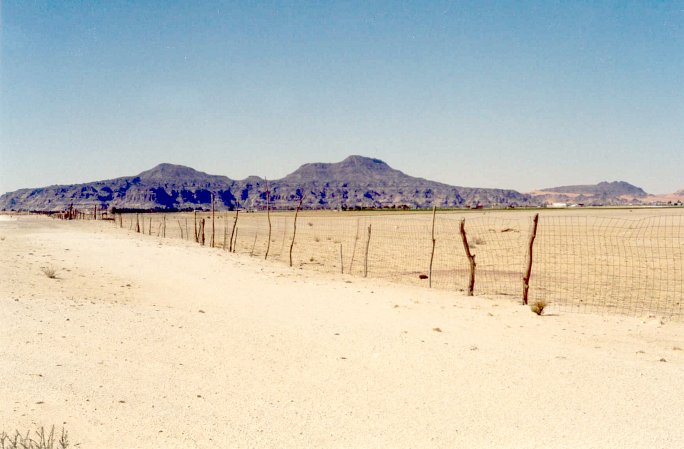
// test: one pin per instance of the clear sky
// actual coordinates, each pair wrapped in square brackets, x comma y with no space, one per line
[516,94]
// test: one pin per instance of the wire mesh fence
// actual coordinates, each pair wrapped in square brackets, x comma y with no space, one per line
[585,263]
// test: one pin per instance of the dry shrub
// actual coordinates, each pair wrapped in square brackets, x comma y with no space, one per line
[40,440]
[538,306]
[49,271]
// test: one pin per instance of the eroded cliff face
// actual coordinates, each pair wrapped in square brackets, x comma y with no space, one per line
[356,182]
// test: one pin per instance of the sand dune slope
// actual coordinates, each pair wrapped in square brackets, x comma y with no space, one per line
[145,343]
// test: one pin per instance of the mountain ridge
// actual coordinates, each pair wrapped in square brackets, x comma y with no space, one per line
[353,183]
[357,182]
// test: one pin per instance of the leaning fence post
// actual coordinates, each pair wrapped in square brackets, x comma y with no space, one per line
[225,233]
[294,228]
[268,215]
[471,259]
[232,233]
[196,231]
[256,234]
[365,261]
[356,239]
[213,223]
[432,254]
[528,271]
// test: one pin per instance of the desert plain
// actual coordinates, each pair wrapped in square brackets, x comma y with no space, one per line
[145,342]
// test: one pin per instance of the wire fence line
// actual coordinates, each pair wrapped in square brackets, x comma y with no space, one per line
[584,263]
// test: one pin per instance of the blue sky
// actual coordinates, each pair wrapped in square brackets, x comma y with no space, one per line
[517,95]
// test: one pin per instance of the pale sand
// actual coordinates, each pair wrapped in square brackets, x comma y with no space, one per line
[144,343]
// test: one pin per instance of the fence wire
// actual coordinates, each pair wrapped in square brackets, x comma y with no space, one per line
[580,263]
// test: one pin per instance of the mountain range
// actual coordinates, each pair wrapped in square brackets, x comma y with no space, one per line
[354,183]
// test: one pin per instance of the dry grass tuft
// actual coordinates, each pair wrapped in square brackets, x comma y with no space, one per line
[538,306]
[49,271]
[40,440]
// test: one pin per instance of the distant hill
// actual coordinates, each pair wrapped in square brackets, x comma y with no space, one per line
[601,194]
[356,182]
[605,189]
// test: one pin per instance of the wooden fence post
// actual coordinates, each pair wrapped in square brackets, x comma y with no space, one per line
[235,241]
[356,239]
[432,254]
[225,232]
[365,261]
[528,271]
[256,234]
[268,215]
[196,230]
[213,223]
[232,233]
[294,230]
[471,259]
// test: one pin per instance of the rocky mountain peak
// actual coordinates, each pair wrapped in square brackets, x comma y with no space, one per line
[165,171]
[352,169]
[365,162]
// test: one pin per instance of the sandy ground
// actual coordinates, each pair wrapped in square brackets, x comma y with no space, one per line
[146,343]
